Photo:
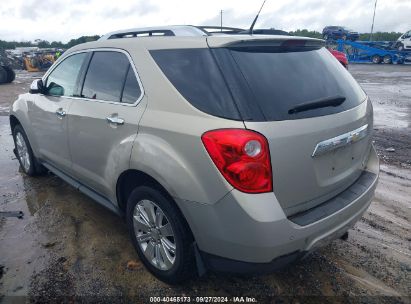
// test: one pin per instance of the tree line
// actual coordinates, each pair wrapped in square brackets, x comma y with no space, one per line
[378,36]
[47,44]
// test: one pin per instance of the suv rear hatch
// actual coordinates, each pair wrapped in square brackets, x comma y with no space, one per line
[295,93]
[301,99]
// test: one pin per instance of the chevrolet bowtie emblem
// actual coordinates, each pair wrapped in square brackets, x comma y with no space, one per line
[340,141]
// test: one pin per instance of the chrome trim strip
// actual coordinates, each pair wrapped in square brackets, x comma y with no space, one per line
[340,141]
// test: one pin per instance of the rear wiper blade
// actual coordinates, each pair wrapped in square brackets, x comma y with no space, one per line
[319,103]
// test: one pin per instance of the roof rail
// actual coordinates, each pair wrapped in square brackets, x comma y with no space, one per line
[187,30]
[211,29]
[174,30]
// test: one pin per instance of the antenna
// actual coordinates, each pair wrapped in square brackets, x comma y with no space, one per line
[221,20]
[373,18]
[255,19]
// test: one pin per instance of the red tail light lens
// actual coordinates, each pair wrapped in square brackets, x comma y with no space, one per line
[242,157]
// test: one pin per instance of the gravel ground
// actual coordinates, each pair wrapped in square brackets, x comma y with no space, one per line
[67,248]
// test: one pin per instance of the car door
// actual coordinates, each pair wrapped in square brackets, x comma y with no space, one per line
[103,123]
[49,121]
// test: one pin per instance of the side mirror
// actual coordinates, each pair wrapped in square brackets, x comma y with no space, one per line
[37,87]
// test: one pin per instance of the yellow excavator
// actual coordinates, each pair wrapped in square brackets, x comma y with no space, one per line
[36,62]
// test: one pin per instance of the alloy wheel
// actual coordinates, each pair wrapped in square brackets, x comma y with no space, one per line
[23,152]
[154,234]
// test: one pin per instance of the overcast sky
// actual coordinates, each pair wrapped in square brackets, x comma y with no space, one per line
[63,20]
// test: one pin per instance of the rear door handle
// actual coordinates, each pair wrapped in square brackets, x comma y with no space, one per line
[115,120]
[60,113]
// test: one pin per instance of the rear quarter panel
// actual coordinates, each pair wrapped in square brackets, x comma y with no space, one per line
[168,146]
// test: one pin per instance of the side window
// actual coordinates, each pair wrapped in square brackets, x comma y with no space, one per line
[105,76]
[131,90]
[196,75]
[62,81]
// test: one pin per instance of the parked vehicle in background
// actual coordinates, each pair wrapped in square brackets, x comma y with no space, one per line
[341,57]
[404,42]
[208,171]
[370,52]
[7,74]
[339,32]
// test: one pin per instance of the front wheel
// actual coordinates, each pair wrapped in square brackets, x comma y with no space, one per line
[400,47]
[160,235]
[24,153]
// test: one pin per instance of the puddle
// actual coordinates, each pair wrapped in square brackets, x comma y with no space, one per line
[390,118]
[21,252]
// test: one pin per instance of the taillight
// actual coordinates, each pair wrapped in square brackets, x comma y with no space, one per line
[242,157]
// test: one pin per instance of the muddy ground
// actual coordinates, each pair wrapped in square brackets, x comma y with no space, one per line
[68,246]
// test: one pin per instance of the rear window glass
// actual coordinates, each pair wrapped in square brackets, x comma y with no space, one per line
[131,90]
[105,76]
[195,74]
[280,81]
[259,84]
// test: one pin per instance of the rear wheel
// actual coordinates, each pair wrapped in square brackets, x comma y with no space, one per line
[160,235]
[376,59]
[387,59]
[10,74]
[24,153]
[3,75]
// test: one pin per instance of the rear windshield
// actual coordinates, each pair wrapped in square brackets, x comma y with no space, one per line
[263,84]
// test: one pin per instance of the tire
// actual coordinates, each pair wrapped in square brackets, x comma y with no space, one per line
[387,59]
[3,75]
[10,74]
[376,59]
[344,37]
[172,269]
[400,47]
[325,37]
[28,162]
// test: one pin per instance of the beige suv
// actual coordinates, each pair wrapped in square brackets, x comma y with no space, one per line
[234,152]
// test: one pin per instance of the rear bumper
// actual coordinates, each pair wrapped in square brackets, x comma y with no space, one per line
[248,230]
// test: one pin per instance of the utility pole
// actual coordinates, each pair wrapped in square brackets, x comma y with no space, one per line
[373,18]
[221,20]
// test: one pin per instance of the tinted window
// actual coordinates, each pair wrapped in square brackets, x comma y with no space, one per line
[62,81]
[259,84]
[131,90]
[105,76]
[280,81]
[197,77]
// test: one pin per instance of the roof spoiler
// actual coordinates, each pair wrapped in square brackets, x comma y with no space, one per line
[282,42]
